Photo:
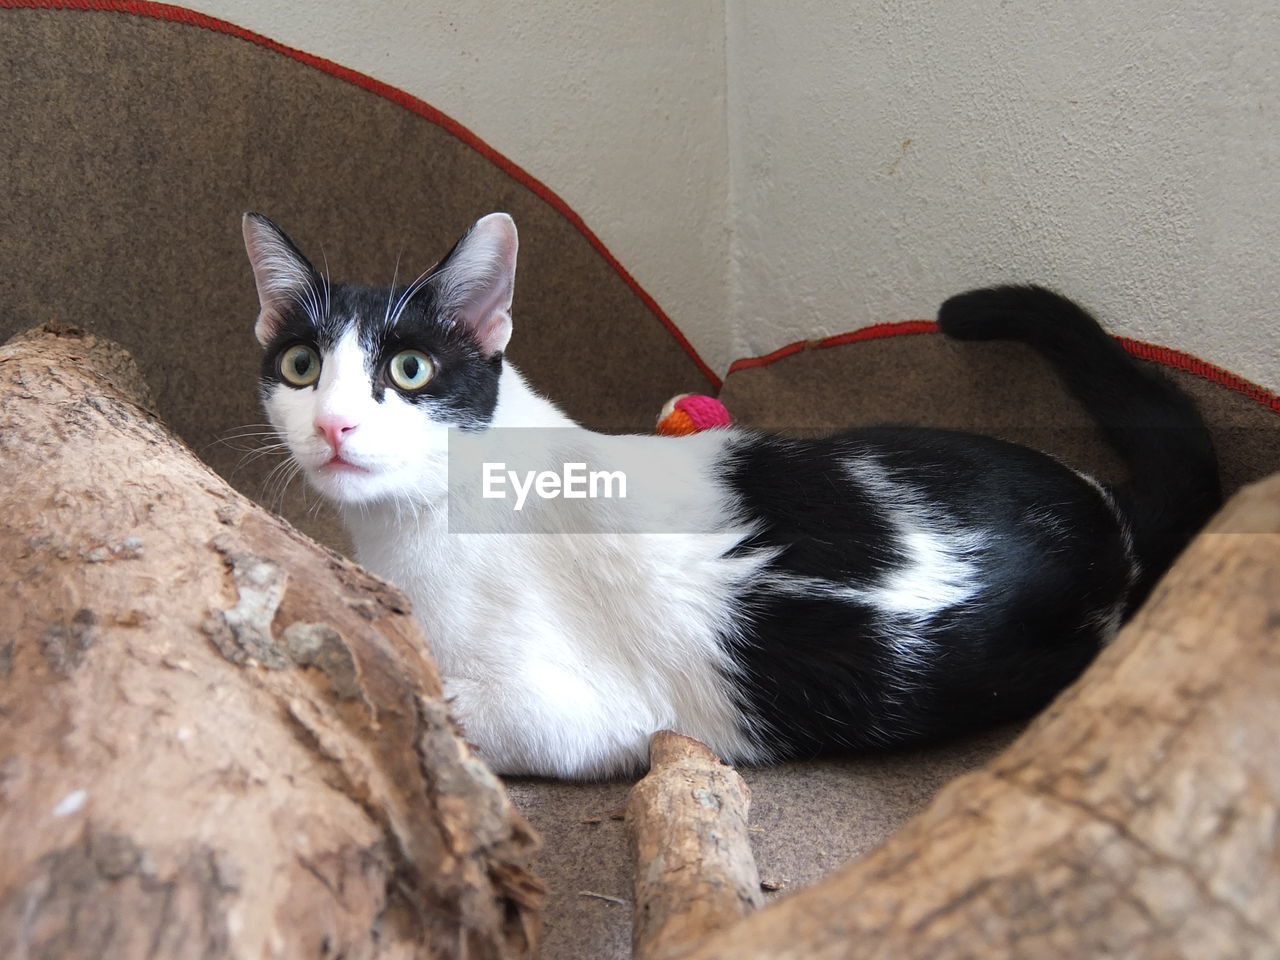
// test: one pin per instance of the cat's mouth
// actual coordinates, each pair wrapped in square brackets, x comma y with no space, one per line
[337,464]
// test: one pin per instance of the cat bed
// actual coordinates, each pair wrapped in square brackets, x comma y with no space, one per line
[907,372]
[808,818]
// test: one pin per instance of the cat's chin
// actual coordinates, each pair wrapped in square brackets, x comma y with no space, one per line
[348,484]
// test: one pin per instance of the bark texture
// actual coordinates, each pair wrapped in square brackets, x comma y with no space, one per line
[687,824]
[217,739]
[1139,816]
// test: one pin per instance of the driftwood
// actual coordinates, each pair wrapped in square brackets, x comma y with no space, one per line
[217,739]
[687,823]
[1139,816]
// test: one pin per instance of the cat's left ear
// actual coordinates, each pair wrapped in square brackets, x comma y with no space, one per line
[476,281]
[284,277]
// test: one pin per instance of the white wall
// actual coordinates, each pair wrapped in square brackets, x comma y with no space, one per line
[874,157]
[618,107]
[887,154]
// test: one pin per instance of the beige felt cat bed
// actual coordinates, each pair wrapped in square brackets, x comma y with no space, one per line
[137,140]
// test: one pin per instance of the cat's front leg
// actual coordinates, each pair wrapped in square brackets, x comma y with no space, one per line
[547,726]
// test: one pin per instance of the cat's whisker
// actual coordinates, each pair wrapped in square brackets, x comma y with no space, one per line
[292,475]
[249,455]
[395,273]
[307,502]
[325,279]
[316,507]
[307,297]
[247,431]
[251,426]
[410,292]
[314,298]
[277,482]
[305,307]
[252,443]
[268,482]
[254,456]
[262,449]
[245,435]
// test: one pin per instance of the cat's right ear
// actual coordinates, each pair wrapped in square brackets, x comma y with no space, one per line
[283,275]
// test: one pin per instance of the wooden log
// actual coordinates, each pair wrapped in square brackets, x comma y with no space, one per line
[1139,816]
[217,738]
[687,825]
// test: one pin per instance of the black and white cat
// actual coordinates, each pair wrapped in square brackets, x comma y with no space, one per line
[880,586]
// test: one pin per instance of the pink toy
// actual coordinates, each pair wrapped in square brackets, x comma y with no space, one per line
[688,413]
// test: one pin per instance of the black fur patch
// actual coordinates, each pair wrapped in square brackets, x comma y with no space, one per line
[464,390]
[822,673]
[1055,568]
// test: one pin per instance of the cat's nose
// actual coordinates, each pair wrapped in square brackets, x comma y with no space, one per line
[334,428]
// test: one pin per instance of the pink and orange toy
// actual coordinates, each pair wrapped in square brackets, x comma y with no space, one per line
[688,413]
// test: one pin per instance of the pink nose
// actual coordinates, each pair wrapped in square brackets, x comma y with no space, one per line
[334,428]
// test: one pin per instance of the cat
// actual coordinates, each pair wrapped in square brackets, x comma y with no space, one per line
[782,597]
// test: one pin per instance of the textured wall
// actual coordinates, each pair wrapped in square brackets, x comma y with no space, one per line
[618,107]
[887,154]
[874,157]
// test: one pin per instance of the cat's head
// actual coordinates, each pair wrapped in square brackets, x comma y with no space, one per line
[363,383]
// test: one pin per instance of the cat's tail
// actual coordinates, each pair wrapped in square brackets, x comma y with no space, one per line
[1173,485]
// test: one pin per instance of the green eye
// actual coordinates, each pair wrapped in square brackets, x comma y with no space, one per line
[411,369]
[300,365]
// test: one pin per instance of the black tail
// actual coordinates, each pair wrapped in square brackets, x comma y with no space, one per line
[1173,485]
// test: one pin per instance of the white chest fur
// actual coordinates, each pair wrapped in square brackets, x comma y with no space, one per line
[565,651]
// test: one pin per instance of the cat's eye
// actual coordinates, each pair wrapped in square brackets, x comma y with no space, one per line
[411,369]
[300,365]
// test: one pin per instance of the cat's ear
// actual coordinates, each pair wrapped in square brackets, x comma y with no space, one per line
[476,281]
[284,276]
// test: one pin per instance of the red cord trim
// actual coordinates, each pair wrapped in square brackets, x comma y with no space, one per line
[877,332]
[1166,356]
[167,11]
[1202,369]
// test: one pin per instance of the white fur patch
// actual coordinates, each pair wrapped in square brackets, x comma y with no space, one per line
[938,571]
[608,637]
[398,448]
[1108,620]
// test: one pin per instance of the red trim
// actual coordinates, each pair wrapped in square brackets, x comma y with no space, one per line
[1203,369]
[748,362]
[1138,348]
[166,11]
[877,332]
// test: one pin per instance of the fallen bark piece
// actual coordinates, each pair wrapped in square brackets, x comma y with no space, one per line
[1139,816]
[217,738]
[687,823]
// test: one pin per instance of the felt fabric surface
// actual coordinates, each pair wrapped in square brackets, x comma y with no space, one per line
[806,820]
